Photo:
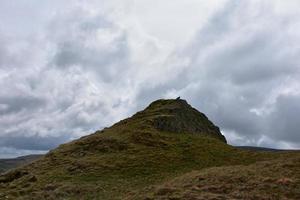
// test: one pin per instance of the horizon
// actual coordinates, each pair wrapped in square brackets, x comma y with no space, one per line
[28,153]
[69,69]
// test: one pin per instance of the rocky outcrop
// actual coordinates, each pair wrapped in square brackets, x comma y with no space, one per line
[176,115]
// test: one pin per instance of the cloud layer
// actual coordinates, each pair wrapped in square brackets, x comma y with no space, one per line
[73,69]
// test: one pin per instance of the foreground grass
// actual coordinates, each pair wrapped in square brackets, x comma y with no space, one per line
[117,166]
[275,179]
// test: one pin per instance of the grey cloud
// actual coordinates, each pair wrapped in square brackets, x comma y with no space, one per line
[73,53]
[257,60]
[79,44]
[32,143]
[284,120]
[19,103]
[6,58]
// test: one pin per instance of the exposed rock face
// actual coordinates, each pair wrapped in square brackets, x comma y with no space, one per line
[179,117]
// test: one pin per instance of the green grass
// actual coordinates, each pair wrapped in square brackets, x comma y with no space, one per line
[125,165]
[273,179]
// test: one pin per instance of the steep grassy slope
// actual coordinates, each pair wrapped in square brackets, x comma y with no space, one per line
[6,164]
[168,139]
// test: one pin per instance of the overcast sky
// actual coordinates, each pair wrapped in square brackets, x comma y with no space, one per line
[68,68]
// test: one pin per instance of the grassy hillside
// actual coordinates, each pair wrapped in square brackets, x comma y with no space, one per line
[166,140]
[275,179]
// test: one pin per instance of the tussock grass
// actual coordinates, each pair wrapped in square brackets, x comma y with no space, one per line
[274,179]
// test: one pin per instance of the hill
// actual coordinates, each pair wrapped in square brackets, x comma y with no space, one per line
[251,148]
[166,140]
[6,164]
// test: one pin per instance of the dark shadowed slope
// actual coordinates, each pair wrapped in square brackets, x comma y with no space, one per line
[167,139]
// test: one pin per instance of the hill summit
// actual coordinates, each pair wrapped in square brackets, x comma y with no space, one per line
[177,116]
